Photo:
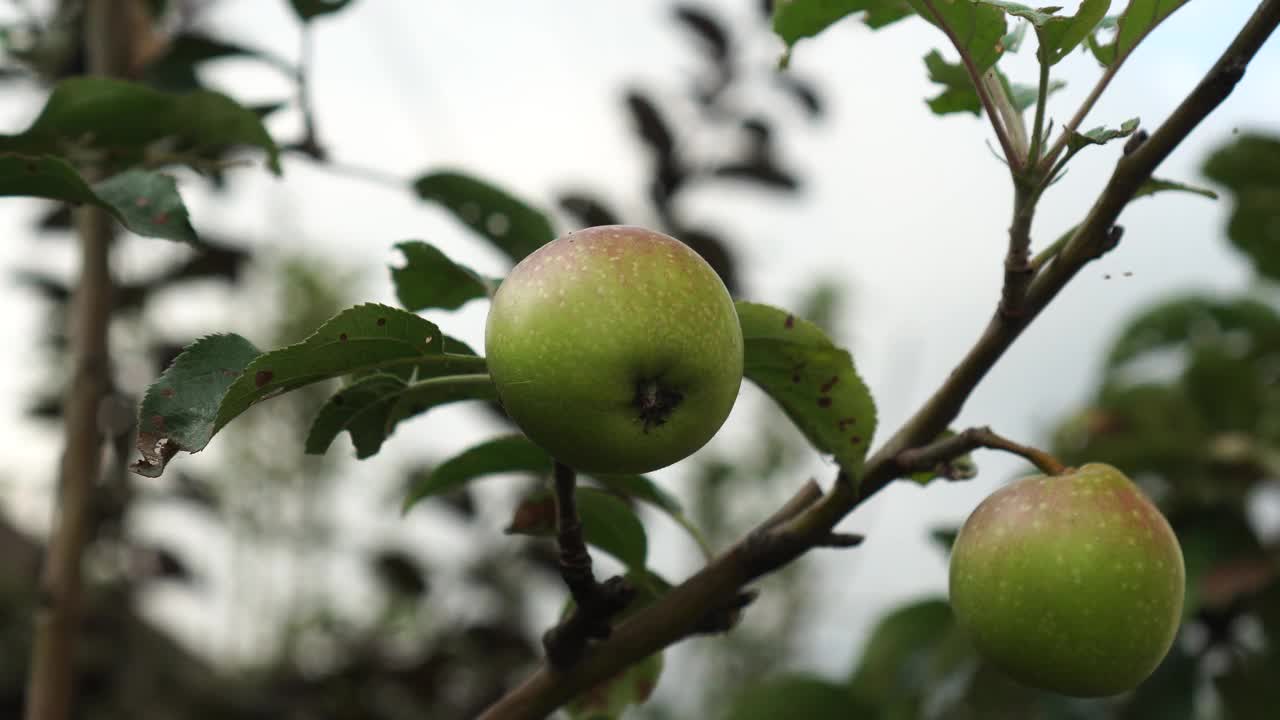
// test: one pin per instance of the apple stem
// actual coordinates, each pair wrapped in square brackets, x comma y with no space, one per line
[595,603]
[929,457]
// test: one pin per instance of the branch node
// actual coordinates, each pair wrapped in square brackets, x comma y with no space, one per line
[725,618]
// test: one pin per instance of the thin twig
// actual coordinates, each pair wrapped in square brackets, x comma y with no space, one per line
[595,604]
[676,614]
[1037,128]
[1074,124]
[950,448]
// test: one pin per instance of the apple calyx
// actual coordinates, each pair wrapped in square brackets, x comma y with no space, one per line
[655,402]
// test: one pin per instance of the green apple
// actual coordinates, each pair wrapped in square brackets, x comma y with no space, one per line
[616,348]
[1071,583]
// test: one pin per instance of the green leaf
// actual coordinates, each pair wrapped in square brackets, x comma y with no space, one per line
[146,203]
[179,408]
[1249,168]
[1024,96]
[1101,135]
[1139,19]
[1058,36]
[959,95]
[797,696]
[508,454]
[1199,319]
[1156,185]
[794,20]
[975,30]
[307,10]
[371,407]
[812,380]
[361,340]
[1103,51]
[1012,40]
[1036,17]
[430,280]
[123,118]
[608,523]
[908,652]
[513,226]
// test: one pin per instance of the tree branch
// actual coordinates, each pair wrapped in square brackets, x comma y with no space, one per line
[676,614]
[947,449]
[50,682]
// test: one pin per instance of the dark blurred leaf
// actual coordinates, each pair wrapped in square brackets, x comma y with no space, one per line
[310,9]
[430,280]
[1194,320]
[715,251]
[146,203]
[399,573]
[802,92]
[610,699]
[1250,169]
[944,538]
[713,35]
[903,659]
[1170,692]
[123,118]
[1249,691]
[590,211]
[813,381]
[607,523]
[797,696]
[175,70]
[764,174]
[513,226]
[57,218]
[651,126]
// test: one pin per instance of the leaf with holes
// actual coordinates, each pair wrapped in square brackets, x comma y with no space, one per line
[430,280]
[1101,135]
[794,20]
[358,341]
[512,225]
[812,380]
[146,203]
[124,119]
[608,523]
[977,31]
[179,409]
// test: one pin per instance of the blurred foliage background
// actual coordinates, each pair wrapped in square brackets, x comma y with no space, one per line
[1188,404]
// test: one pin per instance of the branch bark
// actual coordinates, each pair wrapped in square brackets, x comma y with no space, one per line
[50,687]
[676,614]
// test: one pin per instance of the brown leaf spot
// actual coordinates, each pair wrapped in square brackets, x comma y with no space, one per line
[168,392]
[824,402]
[157,422]
[160,218]
[228,372]
[141,202]
[795,378]
[790,322]
[846,422]
[826,386]
[342,337]
[382,321]
[263,377]
[855,439]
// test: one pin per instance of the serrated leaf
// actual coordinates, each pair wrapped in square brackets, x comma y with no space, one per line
[794,20]
[508,454]
[430,280]
[361,340]
[608,523]
[1101,135]
[1057,34]
[812,380]
[975,30]
[1157,185]
[361,409]
[308,10]
[513,226]
[178,410]
[146,203]
[959,95]
[370,408]
[1138,20]
[124,118]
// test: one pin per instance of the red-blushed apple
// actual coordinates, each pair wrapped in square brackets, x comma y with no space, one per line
[1071,583]
[616,348]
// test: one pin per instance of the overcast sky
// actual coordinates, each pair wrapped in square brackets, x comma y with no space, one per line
[906,209]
